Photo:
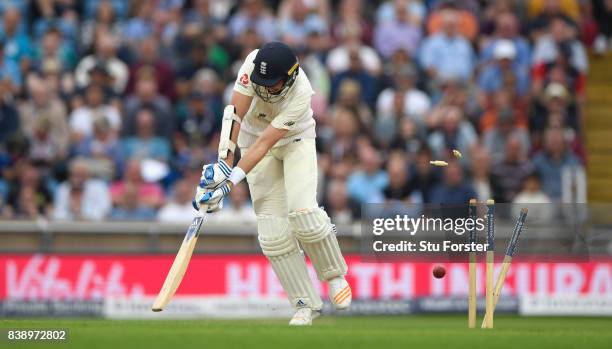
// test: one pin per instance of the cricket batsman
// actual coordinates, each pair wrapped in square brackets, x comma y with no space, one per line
[271,120]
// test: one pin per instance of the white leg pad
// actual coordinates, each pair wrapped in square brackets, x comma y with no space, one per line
[287,261]
[317,236]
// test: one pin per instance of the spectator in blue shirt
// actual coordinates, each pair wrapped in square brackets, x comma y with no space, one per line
[356,71]
[299,23]
[502,72]
[366,185]
[448,55]
[145,144]
[253,15]
[140,26]
[10,75]
[551,161]
[454,189]
[506,28]
[17,46]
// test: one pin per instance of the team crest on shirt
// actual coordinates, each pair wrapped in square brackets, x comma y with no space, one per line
[244,79]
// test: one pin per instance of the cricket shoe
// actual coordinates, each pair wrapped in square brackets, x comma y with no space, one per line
[304,316]
[340,293]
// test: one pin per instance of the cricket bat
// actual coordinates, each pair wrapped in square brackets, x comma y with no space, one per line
[179,266]
[518,228]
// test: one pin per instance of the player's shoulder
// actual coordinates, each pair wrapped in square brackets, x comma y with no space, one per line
[303,83]
[251,56]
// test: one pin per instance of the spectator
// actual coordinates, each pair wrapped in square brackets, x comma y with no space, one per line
[540,209]
[201,14]
[550,161]
[463,10]
[81,197]
[106,47]
[46,110]
[504,101]
[367,183]
[95,107]
[301,20]
[17,44]
[482,181]
[253,14]
[447,54]
[54,48]
[532,192]
[495,139]
[503,72]
[388,10]
[140,26]
[340,207]
[178,209]
[426,177]
[147,96]
[101,149]
[455,189]
[145,144]
[340,141]
[200,121]
[559,71]
[511,171]
[507,28]
[130,208]
[29,197]
[9,115]
[351,52]
[350,97]
[404,99]
[454,133]
[105,21]
[357,72]
[555,110]
[401,33]
[149,194]
[10,74]
[149,59]
[400,189]
[546,47]
[350,15]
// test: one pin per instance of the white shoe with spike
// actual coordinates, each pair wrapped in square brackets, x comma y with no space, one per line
[303,317]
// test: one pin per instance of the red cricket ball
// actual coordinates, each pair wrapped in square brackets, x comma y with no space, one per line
[439,271]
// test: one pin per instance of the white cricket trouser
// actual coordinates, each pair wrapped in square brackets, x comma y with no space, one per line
[283,188]
[285,180]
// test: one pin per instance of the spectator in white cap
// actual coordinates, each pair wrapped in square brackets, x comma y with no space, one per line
[507,28]
[502,72]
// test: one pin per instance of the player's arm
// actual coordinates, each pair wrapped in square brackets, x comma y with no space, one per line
[265,142]
[213,199]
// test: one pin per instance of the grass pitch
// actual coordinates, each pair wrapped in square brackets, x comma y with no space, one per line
[328,332]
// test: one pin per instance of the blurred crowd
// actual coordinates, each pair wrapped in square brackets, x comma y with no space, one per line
[109,108]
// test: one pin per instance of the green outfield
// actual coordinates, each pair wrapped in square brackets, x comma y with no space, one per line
[328,332]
